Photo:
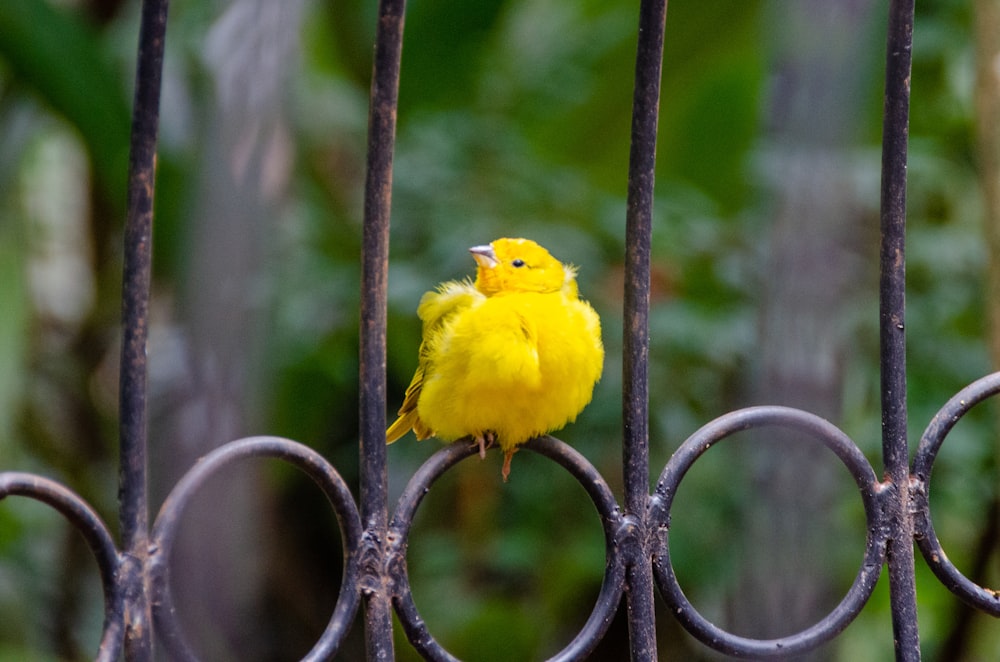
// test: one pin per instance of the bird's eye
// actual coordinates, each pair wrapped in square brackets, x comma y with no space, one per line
[518,262]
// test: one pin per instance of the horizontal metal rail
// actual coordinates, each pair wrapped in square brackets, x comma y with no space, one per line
[136,573]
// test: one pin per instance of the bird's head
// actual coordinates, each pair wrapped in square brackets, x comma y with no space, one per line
[519,265]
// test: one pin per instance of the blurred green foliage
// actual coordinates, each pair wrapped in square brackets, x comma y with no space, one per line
[513,120]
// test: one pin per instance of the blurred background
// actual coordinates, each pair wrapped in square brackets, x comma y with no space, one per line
[513,121]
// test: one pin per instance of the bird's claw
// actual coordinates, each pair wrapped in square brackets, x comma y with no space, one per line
[484,441]
[505,471]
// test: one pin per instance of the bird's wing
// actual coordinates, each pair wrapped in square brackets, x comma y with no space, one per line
[435,309]
[450,298]
[408,418]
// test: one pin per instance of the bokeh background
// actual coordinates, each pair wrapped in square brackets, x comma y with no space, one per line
[513,121]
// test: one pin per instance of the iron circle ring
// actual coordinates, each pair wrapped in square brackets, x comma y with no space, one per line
[83,518]
[864,583]
[580,468]
[985,599]
[321,472]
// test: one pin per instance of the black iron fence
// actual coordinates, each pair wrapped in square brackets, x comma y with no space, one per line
[136,572]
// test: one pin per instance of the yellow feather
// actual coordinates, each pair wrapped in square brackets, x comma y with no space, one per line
[512,356]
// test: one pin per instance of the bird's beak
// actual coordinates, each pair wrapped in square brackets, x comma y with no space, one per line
[484,256]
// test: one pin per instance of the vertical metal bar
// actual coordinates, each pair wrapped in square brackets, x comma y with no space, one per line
[635,395]
[375,269]
[892,286]
[133,498]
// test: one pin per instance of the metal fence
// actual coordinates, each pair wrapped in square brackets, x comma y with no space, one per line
[136,572]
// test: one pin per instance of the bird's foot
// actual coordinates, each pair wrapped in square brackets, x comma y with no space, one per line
[484,441]
[505,471]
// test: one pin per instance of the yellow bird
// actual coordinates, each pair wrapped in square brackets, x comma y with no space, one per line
[511,356]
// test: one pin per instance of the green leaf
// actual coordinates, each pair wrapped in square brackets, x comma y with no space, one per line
[59,56]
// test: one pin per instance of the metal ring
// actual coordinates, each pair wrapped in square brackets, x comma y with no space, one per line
[985,599]
[89,524]
[321,472]
[856,597]
[581,469]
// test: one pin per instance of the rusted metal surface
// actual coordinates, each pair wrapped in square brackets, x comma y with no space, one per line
[892,325]
[374,279]
[133,454]
[635,351]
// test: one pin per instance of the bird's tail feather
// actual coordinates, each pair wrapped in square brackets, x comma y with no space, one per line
[401,426]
